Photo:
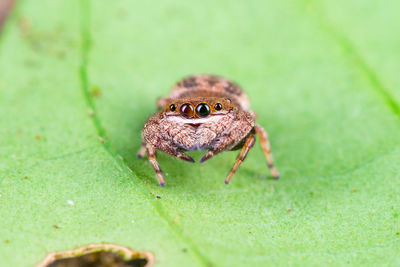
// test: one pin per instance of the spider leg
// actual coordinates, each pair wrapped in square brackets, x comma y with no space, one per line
[239,130]
[142,151]
[167,149]
[248,145]
[151,152]
[266,147]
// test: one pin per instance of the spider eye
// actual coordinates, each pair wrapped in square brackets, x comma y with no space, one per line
[187,110]
[172,107]
[203,110]
[218,106]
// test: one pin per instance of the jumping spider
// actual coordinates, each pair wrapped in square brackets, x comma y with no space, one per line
[203,112]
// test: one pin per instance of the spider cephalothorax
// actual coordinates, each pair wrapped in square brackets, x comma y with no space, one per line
[203,112]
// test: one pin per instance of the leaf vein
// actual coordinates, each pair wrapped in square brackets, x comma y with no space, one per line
[352,53]
[84,78]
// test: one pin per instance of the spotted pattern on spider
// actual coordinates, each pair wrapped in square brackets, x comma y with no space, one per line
[203,112]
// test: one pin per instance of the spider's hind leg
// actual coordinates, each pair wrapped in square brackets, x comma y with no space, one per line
[142,151]
[266,147]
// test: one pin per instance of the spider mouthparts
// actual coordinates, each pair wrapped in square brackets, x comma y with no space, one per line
[195,125]
[206,157]
[227,182]
[187,158]
[162,184]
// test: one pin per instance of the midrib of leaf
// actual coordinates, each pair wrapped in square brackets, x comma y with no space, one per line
[84,78]
[354,56]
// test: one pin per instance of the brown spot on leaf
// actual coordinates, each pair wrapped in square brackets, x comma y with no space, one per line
[25,25]
[56,226]
[103,255]
[95,91]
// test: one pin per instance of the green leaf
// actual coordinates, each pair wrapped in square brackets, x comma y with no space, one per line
[322,76]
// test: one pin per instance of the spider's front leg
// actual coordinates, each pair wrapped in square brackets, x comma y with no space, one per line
[153,140]
[151,152]
[165,147]
[169,149]
[239,132]
[248,145]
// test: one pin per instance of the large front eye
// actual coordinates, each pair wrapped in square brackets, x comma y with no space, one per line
[203,110]
[187,110]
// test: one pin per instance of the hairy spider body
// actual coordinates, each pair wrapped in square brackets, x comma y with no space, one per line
[203,112]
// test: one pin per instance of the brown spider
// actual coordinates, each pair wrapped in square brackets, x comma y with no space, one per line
[203,112]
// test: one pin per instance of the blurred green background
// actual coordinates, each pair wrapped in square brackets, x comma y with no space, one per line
[323,77]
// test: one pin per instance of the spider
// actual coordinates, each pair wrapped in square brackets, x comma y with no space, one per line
[203,112]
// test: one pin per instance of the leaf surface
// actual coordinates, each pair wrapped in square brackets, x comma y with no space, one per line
[74,71]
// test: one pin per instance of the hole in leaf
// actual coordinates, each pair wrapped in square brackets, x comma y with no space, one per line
[104,255]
